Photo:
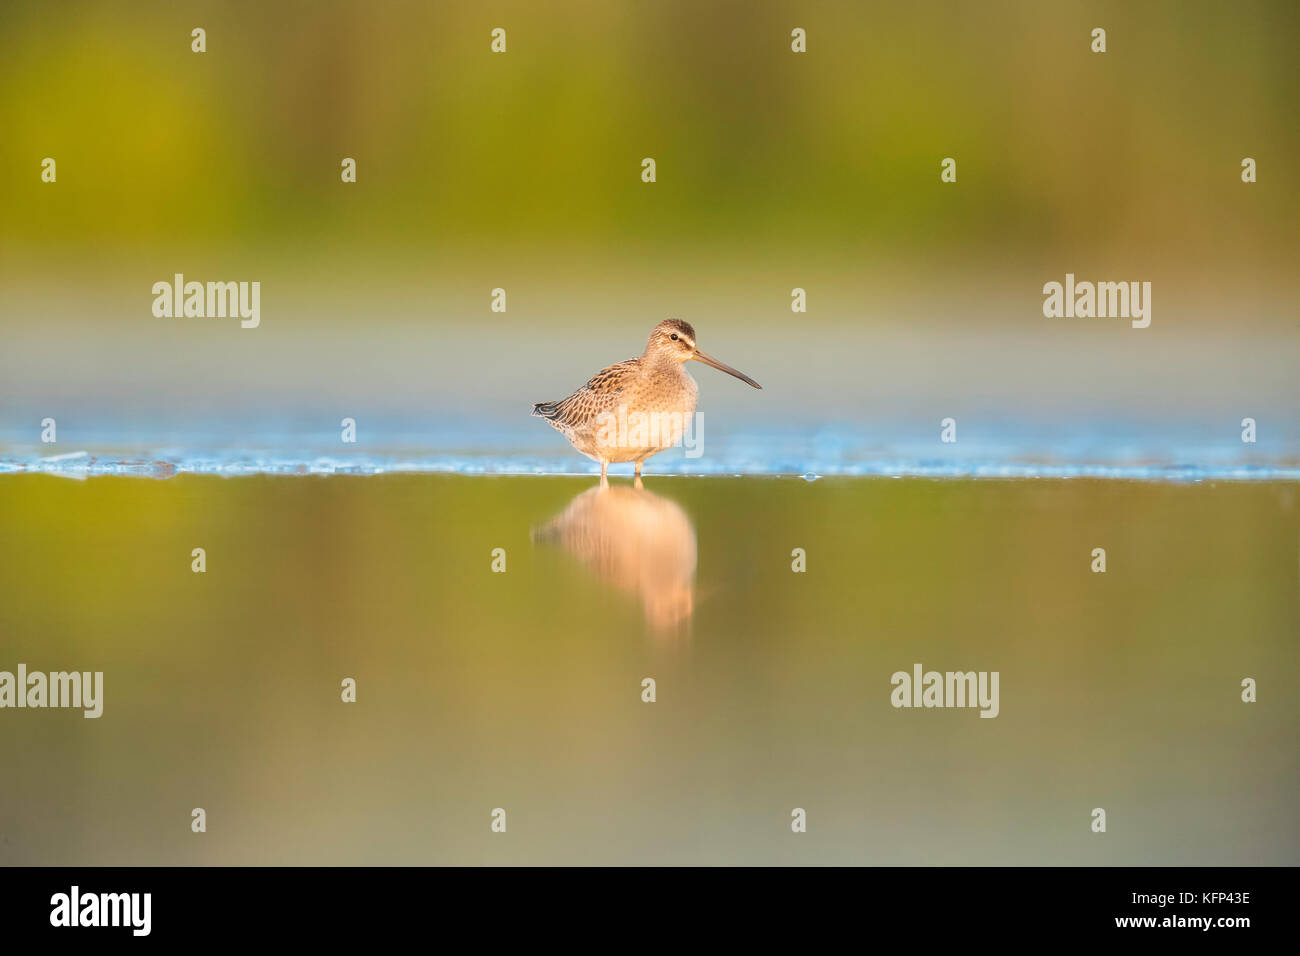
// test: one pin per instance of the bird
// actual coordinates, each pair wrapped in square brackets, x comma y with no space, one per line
[637,408]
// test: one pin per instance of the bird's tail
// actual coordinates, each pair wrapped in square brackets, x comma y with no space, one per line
[547,410]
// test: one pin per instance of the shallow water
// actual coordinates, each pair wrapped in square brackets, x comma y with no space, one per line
[522,689]
[754,459]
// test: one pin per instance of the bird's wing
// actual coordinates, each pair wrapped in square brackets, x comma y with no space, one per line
[601,394]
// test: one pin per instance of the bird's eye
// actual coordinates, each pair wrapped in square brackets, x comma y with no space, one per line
[674,336]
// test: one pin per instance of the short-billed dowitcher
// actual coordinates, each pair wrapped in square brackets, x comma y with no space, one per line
[634,409]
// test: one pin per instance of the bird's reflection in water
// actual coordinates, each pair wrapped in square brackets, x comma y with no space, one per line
[638,542]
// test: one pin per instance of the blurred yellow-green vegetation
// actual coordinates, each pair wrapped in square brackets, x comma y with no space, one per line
[835,152]
[521,170]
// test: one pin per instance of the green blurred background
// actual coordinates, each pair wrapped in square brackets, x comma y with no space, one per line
[460,150]
[775,171]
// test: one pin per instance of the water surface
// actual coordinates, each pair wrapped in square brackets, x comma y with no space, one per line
[522,689]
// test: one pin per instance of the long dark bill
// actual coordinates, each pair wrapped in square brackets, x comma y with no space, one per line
[707,359]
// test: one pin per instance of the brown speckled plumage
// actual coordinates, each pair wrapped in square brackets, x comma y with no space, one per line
[601,418]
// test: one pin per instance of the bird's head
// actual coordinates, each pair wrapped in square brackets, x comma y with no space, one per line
[674,340]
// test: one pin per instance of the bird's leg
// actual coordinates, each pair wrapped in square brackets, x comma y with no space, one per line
[639,462]
[604,476]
